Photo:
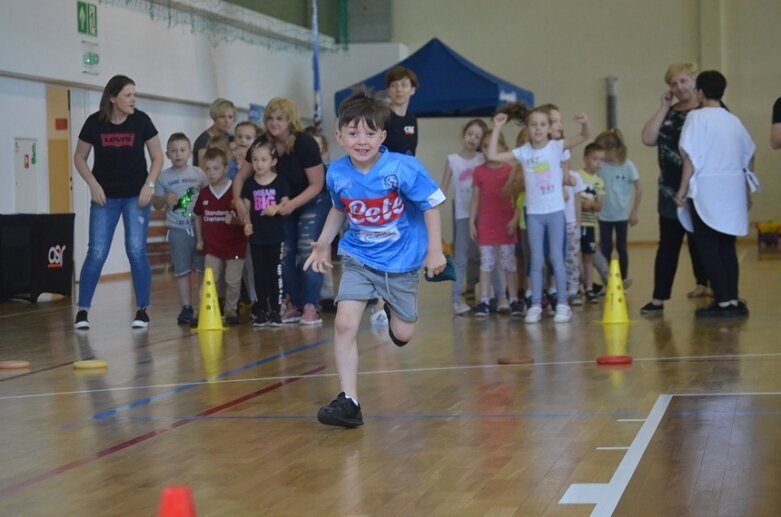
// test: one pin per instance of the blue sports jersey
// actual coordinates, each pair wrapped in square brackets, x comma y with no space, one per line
[384,209]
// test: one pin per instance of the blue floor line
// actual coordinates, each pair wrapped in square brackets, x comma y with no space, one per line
[109,413]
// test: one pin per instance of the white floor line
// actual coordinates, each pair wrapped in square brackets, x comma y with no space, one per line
[607,495]
[612,448]
[732,394]
[419,370]
[630,420]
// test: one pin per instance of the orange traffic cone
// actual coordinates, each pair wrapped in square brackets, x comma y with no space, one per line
[177,502]
[615,297]
[209,317]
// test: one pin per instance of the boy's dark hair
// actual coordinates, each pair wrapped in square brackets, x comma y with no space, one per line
[362,106]
[593,147]
[215,153]
[176,137]
[397,73]
[712,83]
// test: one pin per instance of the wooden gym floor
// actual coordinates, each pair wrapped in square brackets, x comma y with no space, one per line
[690,428]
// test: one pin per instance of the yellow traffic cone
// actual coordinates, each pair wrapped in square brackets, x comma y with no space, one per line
[615,298]
[209,317]
[210,343]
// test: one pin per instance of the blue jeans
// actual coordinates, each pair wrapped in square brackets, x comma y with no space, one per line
[554,225]
[302,227]
[102,223]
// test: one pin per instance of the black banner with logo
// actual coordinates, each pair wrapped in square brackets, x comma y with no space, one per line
[36,255]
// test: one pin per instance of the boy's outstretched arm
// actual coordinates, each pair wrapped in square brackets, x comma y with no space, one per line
[435,260]
[320,259]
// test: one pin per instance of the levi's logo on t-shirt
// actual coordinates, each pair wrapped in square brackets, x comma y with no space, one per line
[117,139]
[374,212]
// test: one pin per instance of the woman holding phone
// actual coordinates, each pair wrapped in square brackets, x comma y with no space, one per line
[663,130]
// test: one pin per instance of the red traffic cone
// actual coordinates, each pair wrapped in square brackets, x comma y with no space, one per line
[177,502]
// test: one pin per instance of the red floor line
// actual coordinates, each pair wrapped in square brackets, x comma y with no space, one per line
[11,489]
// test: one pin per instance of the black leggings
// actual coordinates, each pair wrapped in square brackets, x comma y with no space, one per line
[267,266]
[671,234]
[606,243]
[719,258]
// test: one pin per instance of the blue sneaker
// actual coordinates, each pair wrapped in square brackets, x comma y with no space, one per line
[482,310]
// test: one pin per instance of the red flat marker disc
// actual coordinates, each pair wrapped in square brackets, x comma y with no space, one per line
[614,359]
[13,365]
[515,360]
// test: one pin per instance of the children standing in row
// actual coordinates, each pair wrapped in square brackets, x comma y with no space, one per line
[177,190]
[223,242]
[543,178]
[493,222]
[590,205]
[262,193]
[619,209]
[459,169]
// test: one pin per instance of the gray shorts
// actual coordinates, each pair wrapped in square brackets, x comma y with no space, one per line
[399,290]
[183,253]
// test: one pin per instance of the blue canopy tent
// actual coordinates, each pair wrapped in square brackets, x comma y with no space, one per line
[450,86]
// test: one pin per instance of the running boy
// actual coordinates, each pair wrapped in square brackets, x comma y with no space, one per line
[222,241]
[177,190]
[394,228]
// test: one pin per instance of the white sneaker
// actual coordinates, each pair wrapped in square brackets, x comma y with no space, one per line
[378,318]
[534,314]
[563,314]
[503,306]
[460,308]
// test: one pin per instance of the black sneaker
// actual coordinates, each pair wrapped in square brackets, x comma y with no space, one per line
[275,319]
[232,318]
[591,297]
[327,305]
[652,309]
[142,320]
[714,310]
[515,308]
[194,322]
[396,341]
[598,289]
[81,323]
[492,306]
[342,412]
[185,316]
[261,319]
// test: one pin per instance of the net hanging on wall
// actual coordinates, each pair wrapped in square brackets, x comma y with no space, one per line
[223,22]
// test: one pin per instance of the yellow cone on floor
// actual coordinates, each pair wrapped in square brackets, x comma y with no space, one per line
[210,343]
[209,317]
[615,298]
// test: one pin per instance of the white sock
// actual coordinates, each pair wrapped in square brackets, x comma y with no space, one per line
[355,400]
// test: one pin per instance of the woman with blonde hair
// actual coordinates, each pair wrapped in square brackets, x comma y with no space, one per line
[663,130]
[298,162]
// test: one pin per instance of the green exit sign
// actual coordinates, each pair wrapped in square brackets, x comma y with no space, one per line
[87,18]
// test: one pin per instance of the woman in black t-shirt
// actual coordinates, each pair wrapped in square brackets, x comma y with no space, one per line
[119,185]
[775,129]
[663,130]
[300,164]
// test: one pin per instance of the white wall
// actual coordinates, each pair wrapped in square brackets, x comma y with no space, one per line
[22,114]
[177,74]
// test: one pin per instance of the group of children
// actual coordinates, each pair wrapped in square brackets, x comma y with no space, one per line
[539,213]
[204,232]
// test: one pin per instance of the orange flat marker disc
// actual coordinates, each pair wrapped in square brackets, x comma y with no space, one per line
[515,360]
[14,365]
[614,359]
